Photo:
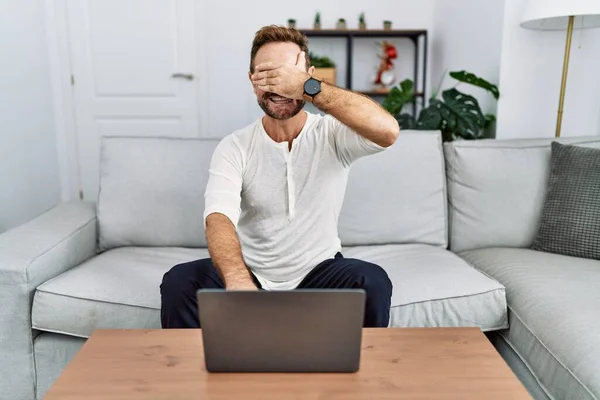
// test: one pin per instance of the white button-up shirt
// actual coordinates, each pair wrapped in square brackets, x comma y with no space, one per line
[285,203]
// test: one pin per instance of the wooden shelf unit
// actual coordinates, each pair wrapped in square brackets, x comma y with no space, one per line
[365,32]
[415,35]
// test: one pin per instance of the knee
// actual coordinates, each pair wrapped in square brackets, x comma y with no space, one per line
[178,278]
[376,280]
[172,279]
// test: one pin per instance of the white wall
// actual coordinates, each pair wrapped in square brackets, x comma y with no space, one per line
[468,36]
[530,80]
[29,181]
[228,38]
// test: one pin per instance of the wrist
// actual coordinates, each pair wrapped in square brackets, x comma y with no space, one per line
[327,98]
[241,276]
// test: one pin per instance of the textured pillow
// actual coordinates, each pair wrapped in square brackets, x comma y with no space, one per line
[570,223]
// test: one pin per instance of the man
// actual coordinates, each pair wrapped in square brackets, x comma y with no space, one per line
[276,188]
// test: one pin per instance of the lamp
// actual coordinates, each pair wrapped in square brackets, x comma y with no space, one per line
[561,15]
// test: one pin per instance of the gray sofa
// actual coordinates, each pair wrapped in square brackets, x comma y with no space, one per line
[450,223]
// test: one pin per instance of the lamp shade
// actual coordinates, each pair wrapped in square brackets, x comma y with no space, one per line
[554,14]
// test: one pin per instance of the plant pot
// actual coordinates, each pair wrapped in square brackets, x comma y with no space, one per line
[317,26]
[341,25]
[362,26]
[387,25]
[327,75]
[292,24]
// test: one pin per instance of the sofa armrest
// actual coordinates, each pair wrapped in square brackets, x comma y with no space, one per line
[31,254]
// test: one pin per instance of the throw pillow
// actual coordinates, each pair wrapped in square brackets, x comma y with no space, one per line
[570,223]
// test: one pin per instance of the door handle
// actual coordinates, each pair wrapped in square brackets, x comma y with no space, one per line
[189,77]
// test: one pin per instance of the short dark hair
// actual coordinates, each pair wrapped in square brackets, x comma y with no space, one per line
[275,34]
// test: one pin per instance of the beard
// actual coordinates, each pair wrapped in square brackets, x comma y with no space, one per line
[278,107]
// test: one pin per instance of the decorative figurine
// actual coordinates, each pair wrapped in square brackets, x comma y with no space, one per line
[385,74]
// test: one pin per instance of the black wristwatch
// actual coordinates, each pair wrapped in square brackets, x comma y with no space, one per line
[312,87]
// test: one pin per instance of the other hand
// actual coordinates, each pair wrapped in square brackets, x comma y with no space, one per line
[285,80]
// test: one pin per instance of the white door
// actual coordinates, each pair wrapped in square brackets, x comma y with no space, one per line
[134,65]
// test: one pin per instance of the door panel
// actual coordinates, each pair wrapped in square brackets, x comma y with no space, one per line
[124,54]
[161,126]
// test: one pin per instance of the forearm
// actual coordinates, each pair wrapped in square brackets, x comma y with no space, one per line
[225,250]
[359,113]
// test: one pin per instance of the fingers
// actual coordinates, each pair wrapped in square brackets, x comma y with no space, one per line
[266,88]
[266,66]
[265,74]
[268,81]
[267,84]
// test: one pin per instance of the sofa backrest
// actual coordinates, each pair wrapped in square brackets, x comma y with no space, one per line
[399,195]
[152,191]
[496,190]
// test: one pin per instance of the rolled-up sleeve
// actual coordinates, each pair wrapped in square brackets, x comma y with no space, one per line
[349,145]
[224,187]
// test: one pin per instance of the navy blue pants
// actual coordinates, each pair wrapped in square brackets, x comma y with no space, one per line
[179,285]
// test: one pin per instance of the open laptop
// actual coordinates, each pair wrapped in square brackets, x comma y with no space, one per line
[304,330]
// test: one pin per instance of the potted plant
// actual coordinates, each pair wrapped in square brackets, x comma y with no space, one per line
[324,68]
[387,25]
[362,23]
[292,23]
[341,24]
[317,23]
[457,115]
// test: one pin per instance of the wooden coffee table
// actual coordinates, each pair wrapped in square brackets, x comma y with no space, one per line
[397,363]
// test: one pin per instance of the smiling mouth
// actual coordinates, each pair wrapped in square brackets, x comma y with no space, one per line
[280,100]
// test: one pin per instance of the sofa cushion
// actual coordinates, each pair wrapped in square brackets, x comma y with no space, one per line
[435,288]
[398,195]
[152,191]
[120,289]
[116,289]
[553,305]
[570,222]
[496,190]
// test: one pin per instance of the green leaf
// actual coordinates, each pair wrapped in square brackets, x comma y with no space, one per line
[407,86]
[406,121]
[430,118]
[320,62]
[393,102]
[461,113]
[467,77]
[398,97]
[489,119]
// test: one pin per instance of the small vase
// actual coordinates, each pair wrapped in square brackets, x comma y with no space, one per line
[341,25]
[292,24]
[387,25]
[317,26]
[362,26]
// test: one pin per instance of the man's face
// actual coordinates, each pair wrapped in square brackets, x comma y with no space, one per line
[273,105]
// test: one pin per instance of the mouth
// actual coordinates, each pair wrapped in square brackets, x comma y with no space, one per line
[279,100]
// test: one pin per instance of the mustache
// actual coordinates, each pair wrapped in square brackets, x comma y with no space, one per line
[268,96]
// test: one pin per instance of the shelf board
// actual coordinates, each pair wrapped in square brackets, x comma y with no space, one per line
[382,93]
[363,32]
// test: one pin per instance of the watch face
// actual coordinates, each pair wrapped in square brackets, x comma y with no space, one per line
[312,87]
